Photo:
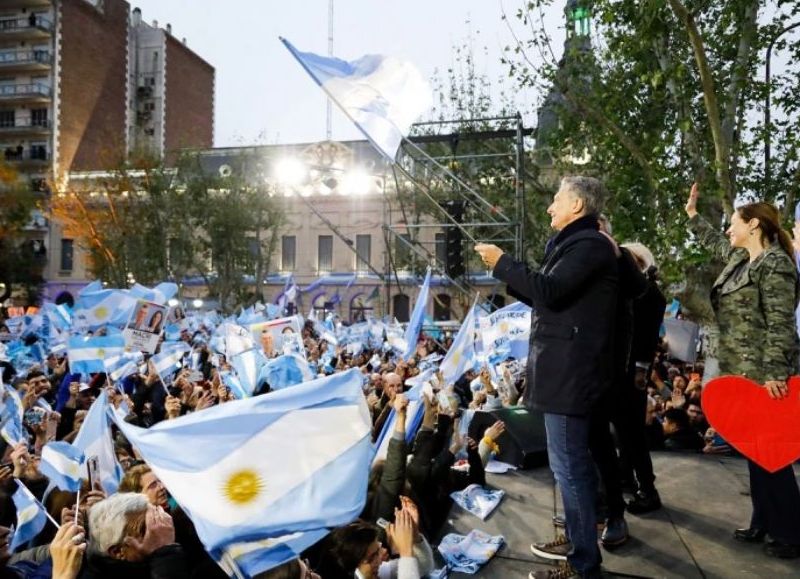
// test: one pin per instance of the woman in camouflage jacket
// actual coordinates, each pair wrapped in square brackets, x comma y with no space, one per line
[754,299]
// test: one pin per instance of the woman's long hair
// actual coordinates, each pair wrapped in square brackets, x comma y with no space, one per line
[769,222]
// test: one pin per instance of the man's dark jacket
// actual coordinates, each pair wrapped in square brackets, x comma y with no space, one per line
[574,299]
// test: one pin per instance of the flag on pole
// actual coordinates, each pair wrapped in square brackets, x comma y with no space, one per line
[382,95]
[462,354]
[61,463]
[313,477]
[95,439]
[31,517]
[87,354]
[417,316]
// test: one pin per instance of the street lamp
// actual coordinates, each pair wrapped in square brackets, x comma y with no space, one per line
[767,82]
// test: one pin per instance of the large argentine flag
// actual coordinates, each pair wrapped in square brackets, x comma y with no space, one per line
[87,354]
[292,460]
[382,95]
[507,330]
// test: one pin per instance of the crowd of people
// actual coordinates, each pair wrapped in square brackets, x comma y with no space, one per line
[139,530]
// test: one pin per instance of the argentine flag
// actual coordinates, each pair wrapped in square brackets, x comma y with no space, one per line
[256,557]
[462,355]
[284,371]
[507,332]
[61,463]
[417,317]
[382,95]
[31,517]
[288,461]
[11,415]
[87,354]
[415,411]
[95,309]
[248,366]
[94,439]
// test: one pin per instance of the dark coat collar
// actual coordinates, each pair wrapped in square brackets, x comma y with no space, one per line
[580,224]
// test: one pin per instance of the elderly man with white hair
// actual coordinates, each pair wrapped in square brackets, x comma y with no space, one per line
[130,538]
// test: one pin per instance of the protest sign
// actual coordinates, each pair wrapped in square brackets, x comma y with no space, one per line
[144,327]
[281,335]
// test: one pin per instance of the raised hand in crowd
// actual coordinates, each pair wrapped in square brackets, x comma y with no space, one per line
[6,475]
[495,430]
[20,459]
[68,517]
[205,400]
[66,551]
[401,534]
[172,405]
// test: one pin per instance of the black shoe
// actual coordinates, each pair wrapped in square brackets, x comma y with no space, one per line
[644,502]
[615,533]
[782,550]
[750,535]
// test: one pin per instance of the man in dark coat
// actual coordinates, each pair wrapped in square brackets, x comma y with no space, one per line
[574,299]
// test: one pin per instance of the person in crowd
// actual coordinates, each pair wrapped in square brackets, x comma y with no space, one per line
[754,300]
[697,419]
[129,537]
[678,433]
[570,365]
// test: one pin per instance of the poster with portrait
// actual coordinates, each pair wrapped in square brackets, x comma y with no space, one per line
[281,336]
[177,316]
[144,327]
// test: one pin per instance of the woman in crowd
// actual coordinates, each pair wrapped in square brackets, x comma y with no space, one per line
[754,299]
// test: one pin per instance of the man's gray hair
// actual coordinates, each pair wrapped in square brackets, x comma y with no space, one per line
[107,520]
[589,190]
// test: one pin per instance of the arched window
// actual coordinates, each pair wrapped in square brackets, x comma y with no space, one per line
[441,308]
[400,307]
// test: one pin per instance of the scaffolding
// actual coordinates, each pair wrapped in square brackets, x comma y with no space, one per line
[479,168]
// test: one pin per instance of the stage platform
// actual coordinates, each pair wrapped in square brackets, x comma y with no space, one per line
[704,498]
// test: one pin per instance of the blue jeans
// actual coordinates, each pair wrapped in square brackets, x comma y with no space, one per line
[574,470]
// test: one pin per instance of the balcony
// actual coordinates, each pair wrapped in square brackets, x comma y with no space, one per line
[24,158]
[31,27]
[25,60]
[21,93]
[24,126]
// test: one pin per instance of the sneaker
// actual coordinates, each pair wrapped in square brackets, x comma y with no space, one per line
[555,550]
[564,571]
[644,502]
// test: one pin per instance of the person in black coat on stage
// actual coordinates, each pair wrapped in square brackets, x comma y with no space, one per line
[570,363]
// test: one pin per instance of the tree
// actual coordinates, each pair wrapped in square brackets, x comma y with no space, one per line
[21,264]
[666,95]
[153,223]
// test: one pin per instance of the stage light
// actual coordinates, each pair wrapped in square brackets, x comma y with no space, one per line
[356,182]
[198,303]
[290,171]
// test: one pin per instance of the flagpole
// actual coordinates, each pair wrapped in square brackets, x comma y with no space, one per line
[49,517]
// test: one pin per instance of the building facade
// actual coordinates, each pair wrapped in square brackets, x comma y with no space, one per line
[84,84]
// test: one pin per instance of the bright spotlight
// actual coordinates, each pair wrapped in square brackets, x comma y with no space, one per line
[356,182]
[198,303]
[290,171]
[173,302]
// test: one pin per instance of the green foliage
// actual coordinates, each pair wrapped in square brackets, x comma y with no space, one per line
[156,223]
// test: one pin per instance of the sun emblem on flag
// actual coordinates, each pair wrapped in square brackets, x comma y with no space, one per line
[504,327]
[243,486]
[100,312]
[101,353]
[456,358]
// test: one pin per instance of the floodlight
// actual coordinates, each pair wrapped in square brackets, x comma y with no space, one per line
[197,303]
[290,171]
[356,182]
[172,303]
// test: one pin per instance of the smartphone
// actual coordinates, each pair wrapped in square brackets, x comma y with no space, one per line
[195,376]
[91,467]
[382,523]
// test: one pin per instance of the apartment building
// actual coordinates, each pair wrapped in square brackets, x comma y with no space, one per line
[83,85]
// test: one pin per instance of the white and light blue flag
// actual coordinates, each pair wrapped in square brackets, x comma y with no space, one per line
[95,439]
[417,317]
[248,365]
[382,95]
[257,557]
[313,476]
[61,463]
[284,371]
[87,354]
[462,355]
[506,333]
[31,517]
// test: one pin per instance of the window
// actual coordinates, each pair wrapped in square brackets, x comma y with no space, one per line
[400,307]
[441,308]
[7,118]
[66,254]
[440,249]
[325,253]
[38,117]
[402,251]
[363,252]
[288,252]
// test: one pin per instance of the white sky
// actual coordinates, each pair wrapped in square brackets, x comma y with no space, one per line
[262,94]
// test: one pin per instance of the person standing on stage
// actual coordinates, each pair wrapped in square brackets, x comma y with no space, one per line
[754,300]
[574,297]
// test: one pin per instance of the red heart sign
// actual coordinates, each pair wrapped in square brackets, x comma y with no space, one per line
[766,431]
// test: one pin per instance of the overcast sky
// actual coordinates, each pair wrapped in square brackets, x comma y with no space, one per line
[262,94]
